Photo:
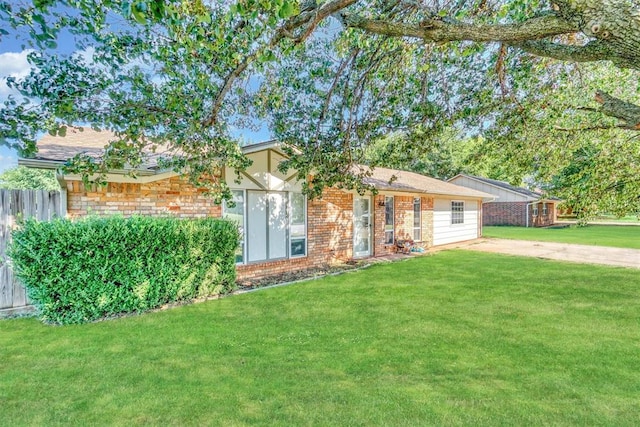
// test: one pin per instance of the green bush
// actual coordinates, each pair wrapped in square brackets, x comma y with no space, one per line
[79,271]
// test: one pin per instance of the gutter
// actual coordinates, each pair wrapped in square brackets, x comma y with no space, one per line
[40,164]
[56,164]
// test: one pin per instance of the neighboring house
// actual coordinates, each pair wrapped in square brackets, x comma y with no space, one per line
[282,230]
[513,205]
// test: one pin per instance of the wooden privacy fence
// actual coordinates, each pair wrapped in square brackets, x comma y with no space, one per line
[17,205]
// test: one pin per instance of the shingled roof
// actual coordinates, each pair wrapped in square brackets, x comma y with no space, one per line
[54,150]
[410,182]
[85,141]
[531,195]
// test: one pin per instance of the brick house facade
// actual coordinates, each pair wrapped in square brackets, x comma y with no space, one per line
[330,219]
[327,229]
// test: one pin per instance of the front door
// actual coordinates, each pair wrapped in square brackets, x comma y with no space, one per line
[362,226]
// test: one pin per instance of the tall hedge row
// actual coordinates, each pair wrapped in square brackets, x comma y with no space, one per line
[79,271]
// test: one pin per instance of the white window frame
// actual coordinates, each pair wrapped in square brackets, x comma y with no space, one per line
[545,209]
[417,230]
[245,215]
[306,233]
[457,212]
[389,201]
[243,225]
[534,210]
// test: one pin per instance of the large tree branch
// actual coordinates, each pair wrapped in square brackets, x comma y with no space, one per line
[592,51]
[446,30]
[627,112]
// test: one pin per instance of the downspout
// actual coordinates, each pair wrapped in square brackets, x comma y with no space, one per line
[63,192]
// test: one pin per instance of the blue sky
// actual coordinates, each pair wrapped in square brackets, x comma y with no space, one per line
[13,62]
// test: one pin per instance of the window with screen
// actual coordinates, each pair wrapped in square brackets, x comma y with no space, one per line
[298,225]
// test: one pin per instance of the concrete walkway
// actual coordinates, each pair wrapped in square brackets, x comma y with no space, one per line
[559,251]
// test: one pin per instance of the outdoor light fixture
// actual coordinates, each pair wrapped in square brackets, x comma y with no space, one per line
[381,202]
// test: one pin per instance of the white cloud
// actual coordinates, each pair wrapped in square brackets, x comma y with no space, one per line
[15,64]
[12,64]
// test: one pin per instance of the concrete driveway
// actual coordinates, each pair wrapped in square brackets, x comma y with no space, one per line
[559,251]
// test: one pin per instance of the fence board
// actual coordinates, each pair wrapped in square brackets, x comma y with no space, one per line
[15,206]
[6,292]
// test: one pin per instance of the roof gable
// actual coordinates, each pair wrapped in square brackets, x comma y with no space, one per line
[526,194]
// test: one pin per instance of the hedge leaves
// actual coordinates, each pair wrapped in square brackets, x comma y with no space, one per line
[79,271]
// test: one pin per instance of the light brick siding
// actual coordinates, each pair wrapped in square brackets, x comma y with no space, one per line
[403,222]
[172,196]
[329,219]
[515,213]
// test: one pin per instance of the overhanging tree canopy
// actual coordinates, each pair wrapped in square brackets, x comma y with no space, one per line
[329,76]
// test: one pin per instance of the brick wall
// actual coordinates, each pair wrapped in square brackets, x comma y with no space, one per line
[172,196]
[329,220]
[403,215]
[501,213]
[427,222]
[403,222]
[515,213]
[329,231]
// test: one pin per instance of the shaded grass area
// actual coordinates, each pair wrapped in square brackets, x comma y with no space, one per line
[618,236]
[456,338]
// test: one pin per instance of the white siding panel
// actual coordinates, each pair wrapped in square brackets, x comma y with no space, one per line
[259,177]
[501,194]
[444,232]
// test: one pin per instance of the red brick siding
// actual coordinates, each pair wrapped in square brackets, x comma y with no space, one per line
[403,215]
[515,213]
[329,220]
[500,213]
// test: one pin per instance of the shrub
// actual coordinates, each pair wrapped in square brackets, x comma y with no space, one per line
[79,271]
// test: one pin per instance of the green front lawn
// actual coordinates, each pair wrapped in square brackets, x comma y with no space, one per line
[618,236]
[457,338]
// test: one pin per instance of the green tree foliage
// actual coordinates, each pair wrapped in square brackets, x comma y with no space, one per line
[441,155]
[21,178]
[329,77]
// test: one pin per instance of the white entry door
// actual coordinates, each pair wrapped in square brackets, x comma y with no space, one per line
[362,226]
